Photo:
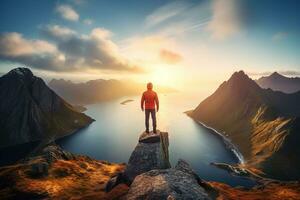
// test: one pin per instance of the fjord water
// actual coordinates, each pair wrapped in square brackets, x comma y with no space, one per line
[115,133]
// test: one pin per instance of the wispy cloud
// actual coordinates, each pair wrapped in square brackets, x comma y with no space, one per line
[78,2]
[67,12]
[226,19]
[170,57]
[58,32]
[88,21]
[68,51]
[152,45]
[166,12]
[279,36]
[178,17]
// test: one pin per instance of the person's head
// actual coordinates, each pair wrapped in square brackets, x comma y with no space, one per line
[149,86]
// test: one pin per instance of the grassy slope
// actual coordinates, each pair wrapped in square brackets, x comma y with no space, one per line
[270,191]
[82,178]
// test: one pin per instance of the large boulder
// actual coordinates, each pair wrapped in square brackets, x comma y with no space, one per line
[150,153]
[175,183]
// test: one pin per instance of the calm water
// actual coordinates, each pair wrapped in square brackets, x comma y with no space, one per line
[115,133]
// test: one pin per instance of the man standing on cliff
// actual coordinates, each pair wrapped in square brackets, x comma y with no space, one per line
[150,99]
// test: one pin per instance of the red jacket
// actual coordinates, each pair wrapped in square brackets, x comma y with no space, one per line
[150,99]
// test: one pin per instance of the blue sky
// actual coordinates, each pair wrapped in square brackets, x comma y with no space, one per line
[157,40]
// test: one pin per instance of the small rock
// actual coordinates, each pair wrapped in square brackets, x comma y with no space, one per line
[150,137]
[39,169]
[113,182]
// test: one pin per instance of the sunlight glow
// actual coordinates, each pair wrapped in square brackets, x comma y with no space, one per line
[164,75]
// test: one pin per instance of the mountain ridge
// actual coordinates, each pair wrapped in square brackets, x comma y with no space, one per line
[278,82]
[95,91]
[30,111]
[260,122]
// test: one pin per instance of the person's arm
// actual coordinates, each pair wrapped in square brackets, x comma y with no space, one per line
[142,102]
[156,102]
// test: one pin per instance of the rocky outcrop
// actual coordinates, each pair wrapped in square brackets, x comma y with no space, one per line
[175,183]
[40,160]
[150,153]
[150,175]
[31,111]
[50,153]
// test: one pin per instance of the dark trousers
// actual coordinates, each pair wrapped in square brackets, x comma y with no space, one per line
[153,116]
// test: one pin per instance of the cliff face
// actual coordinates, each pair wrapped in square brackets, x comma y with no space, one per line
[260,122]
[150,153]
[281,83]
[30,111]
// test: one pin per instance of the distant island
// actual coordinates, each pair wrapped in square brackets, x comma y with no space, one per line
[126,101]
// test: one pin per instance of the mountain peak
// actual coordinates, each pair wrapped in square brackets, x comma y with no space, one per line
[31,111]
[276,75]
[21,71]
[241,81]
[239,76]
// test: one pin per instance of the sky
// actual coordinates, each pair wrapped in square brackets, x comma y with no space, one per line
[184,43]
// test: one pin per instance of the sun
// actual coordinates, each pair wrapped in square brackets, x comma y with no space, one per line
[164,75]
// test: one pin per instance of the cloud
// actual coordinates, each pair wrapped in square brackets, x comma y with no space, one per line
[58,32]
[146,49]
[69,51]
[13,45]
[170,57]
[165,12]
[88,21]
[36,53]
[226,20]
[290,73]
[279,36]
[179,17]
[67,12]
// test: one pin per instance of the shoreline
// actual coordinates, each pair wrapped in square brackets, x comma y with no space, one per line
[229,145]
[226,141]
[53,139]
